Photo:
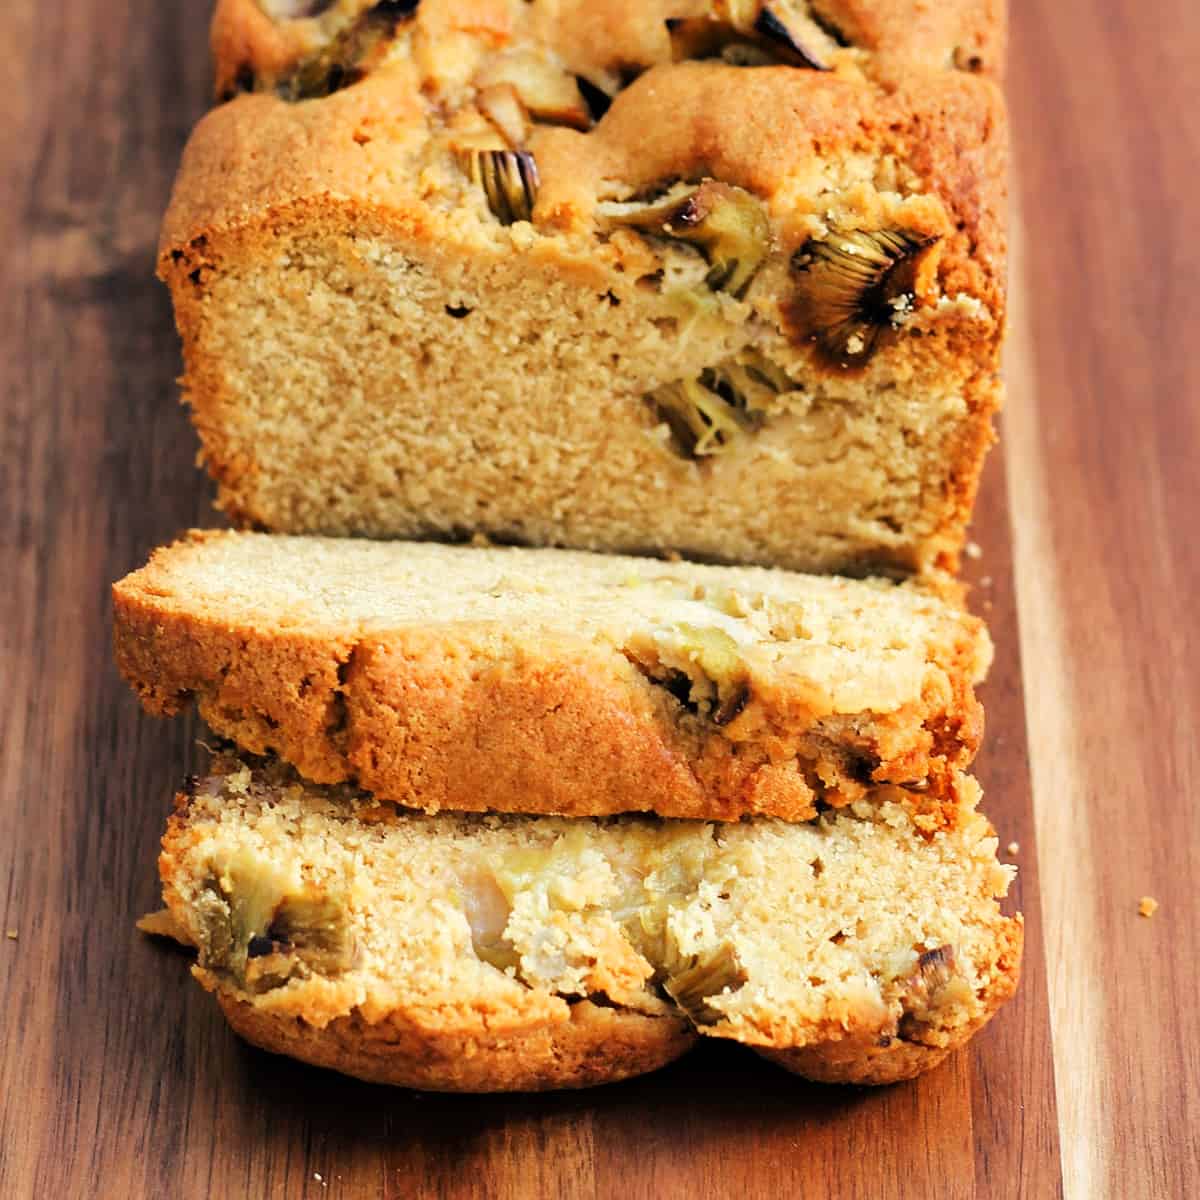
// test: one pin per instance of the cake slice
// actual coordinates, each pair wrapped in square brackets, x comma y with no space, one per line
[553,681]
[564,274]
[512,953]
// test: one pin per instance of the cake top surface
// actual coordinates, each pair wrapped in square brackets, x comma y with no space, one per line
[610,41]
[496,127]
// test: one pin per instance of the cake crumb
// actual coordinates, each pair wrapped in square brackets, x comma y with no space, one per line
[986,582]
[1014,847]
[973,550]
[320,1178]
[11,934]
[1147,906]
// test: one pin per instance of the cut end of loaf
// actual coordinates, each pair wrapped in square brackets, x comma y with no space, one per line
[785,352]
[505,397]
[840,938]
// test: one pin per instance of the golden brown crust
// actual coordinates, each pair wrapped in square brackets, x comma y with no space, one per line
[970,35]
[454,716]
[594,1045]
[250,160]
[865,1062]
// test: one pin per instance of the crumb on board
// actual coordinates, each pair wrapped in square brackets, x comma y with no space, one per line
[1014,847]
[11,934]
[986,582]
[1147,906]
[973,550]
[163,924]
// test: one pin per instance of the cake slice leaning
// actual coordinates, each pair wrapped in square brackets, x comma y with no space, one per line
[490,953]
[559,682]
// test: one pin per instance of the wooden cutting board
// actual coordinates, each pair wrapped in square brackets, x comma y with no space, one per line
[118,1077]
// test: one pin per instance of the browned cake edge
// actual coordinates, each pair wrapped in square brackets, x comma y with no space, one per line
[438,719]
[595,1045]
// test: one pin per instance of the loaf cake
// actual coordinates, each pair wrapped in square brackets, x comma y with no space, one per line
[720,279]
[555,681]
[488,953]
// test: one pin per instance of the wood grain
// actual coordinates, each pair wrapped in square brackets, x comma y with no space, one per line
[1104,441]
[118,1077]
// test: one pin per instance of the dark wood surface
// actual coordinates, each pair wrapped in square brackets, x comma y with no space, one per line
[117,1076]
[1104,469]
